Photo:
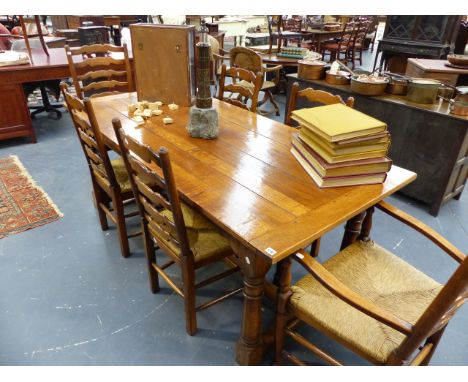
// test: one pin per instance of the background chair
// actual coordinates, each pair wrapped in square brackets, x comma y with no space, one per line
[371,33]
[369,300]
[311,95]
[243,88]
[248,59]
[356,45]
[340,46]
[185,236]
[100,70]
[218,57]
[111,185]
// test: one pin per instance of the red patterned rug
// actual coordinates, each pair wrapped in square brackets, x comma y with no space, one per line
[23,204]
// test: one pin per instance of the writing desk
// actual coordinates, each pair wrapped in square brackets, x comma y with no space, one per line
[248,183]
[15,120]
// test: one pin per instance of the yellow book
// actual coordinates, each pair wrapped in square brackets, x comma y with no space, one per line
[333,149]
[337,122]
[340,158]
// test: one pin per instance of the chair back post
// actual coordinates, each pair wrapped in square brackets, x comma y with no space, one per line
[438,314]
[174,199]
[291,103]
[119,134]
[162,194]
[90,138]
[128,68]
[73,72]
[101,146]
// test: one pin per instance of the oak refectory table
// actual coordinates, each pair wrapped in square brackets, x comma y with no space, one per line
[247,183]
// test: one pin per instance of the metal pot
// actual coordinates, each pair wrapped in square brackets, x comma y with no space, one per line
[311,69]
[336,79]
[423,90]
[368,88]
[459,105]
[398,84]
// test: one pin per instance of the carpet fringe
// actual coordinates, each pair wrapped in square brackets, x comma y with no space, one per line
[25,173]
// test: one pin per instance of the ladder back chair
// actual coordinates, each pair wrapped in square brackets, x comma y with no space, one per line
[245,86]
[356,45]
[369,300]
[100,69]
[111,185]
[340,46]
[248,59]
[185,236]
[312,95]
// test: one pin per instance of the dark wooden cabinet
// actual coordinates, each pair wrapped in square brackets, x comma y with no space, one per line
[426,139]
[428,36]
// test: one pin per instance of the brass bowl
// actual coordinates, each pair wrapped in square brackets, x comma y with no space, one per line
[458,59]
[368,88]
[336,79]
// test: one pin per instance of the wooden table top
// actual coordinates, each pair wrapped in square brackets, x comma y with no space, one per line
[321,31]
[246,181]
[438,66]
[272,58]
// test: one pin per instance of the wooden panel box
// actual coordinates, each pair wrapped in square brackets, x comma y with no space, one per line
[163,57]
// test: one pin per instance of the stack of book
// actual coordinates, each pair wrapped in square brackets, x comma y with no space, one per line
[339,146]
[293,52]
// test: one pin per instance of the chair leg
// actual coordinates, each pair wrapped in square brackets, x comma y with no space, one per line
[150,259]
[273,102]
[188,277]
[434,339]
[121,227]
[99,197]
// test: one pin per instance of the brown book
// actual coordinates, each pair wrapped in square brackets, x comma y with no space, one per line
[163,58]
[353,167]
[338,181]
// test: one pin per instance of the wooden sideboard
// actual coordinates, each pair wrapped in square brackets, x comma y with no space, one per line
[426,139]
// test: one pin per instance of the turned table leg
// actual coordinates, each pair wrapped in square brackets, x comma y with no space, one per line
[352,230]
[249,348]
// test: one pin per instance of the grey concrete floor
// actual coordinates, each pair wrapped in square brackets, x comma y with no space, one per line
[67,297]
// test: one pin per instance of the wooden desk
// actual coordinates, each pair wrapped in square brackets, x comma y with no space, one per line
[15,120]
[425,68]
[247,183]
[426,139]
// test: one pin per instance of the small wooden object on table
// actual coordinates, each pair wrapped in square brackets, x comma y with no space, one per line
[164,62]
